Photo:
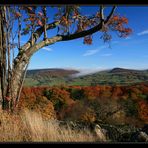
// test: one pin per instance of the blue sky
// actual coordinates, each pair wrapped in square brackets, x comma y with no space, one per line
[131,52]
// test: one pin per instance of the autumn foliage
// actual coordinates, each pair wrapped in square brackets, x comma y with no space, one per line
[143,110]
[70,16]
[89,103]
[33,99]
[117,23]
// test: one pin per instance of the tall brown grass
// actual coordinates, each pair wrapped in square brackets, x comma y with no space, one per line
[31,127]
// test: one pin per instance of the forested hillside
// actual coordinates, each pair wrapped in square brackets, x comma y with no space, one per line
[110,104]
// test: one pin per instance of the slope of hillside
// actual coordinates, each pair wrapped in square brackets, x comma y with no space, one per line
[49,77]
[116,76]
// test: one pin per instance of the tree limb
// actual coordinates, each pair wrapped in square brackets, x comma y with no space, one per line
[90,31]
[42,44]
[30,50]
[53,25]
[58,38]
[101,14]
[40,30]
[38,33]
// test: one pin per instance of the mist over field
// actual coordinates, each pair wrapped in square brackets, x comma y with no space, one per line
[83,72]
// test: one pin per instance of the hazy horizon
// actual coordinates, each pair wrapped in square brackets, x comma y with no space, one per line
[84,71]
[78,68]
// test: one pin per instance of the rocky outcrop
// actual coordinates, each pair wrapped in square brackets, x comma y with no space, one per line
[110,133]
[141,135]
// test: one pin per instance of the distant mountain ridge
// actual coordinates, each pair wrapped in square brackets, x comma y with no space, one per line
[49,69]
[118,70]
[114,70]
[52,71]
[58,76]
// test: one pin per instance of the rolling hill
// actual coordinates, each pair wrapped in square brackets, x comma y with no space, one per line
[50,77]
[115,76]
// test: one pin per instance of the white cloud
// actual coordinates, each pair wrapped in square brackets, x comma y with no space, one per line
[91,52]
[106,55]
[143,32]
[94,51]
[127,38]
[48,49]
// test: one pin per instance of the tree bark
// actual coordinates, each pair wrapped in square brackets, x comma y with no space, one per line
[3,61]
[16,81]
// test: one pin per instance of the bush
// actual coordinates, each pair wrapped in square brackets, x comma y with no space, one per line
[130,106]
[60,98]
[76,94]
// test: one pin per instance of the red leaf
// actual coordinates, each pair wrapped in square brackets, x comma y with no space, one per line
[17,14]
[39,23]
[40,13]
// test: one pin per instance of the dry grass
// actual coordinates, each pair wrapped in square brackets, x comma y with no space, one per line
[30,127]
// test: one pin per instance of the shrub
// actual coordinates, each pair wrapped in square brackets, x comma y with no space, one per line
[130,107]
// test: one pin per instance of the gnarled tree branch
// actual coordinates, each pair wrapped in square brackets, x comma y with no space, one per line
[38,33]
[42,44]
[53,25]
[58,38]
[90,31]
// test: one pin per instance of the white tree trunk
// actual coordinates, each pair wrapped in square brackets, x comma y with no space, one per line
[16,82]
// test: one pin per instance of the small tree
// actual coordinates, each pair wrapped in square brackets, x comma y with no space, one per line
[34,21]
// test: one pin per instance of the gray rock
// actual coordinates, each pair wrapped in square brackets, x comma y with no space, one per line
[100,133]
[143,137]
